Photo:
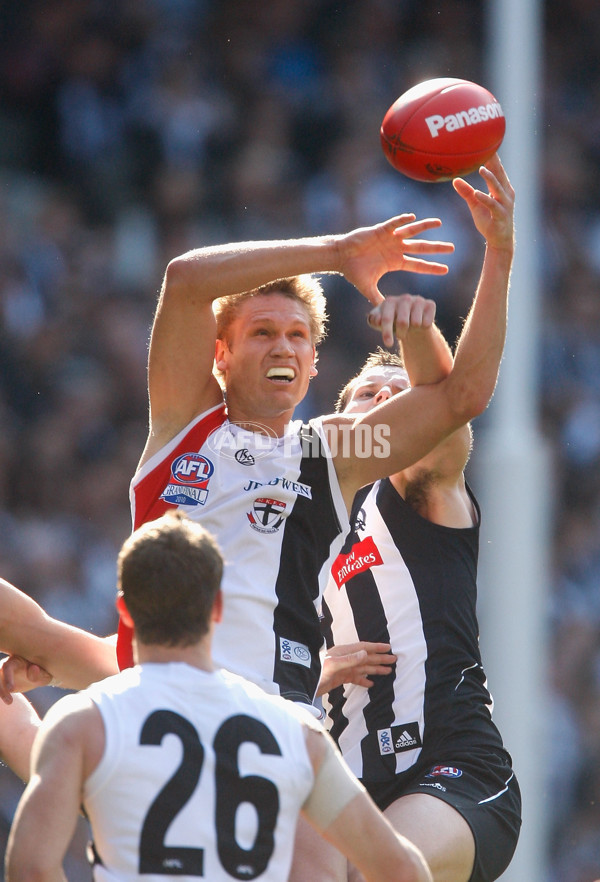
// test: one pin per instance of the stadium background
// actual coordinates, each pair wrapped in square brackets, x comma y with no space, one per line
[132,130]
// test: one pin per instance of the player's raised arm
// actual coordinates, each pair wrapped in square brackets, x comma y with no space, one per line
[182,345]
[423,416]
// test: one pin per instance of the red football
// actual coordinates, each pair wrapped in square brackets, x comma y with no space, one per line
[441,129]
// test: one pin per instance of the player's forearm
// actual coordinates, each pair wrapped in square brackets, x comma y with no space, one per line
[479,350]
[217,271]
[18,726]
[427,356]
[74,657]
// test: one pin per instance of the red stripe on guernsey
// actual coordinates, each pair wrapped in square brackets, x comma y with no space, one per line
[149,505]
[363,556]
[124,646]
[147,492]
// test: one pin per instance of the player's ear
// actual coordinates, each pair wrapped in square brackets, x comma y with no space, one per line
[220,350]
[123,611]
[217,610]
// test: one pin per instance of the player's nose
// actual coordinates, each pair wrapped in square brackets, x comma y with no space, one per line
[384,393]
[282,345]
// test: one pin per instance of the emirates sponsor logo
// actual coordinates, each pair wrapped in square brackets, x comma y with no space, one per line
[363,556]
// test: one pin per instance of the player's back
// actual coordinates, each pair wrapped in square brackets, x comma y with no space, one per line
[203,775]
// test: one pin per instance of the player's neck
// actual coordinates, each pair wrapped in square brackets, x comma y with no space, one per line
[197,656]
[271,426]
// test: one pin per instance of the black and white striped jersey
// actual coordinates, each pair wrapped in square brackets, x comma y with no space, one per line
[405,580]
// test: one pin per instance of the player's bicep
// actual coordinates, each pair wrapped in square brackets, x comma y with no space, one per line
[182,346]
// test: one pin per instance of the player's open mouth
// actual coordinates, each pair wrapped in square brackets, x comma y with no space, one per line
[281,374]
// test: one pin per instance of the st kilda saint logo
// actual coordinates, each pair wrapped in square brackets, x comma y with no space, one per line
[267,515]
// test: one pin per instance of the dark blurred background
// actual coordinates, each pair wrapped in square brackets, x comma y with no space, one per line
[134,130]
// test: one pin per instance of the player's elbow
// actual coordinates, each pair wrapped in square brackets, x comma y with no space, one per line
[178,276]
[468,400]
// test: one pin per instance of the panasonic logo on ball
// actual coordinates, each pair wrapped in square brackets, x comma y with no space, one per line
[463,118]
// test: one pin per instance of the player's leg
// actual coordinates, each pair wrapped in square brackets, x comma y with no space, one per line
[466,824]
[438,830]
[314,858]
[18,727]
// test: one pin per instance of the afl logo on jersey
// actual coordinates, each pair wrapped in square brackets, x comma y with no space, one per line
[446,771]
[267,515]
[190,474]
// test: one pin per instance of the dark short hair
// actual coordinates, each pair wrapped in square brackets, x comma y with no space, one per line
[169,572]
[380,358]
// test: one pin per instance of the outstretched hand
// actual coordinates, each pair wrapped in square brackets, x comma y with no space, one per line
[355,663]
[492,212]
[369,253]
[17,674]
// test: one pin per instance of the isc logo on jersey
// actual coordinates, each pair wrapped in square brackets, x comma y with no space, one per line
[296,653]
[190,474]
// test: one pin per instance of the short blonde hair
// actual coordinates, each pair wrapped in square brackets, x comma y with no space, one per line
[306,289]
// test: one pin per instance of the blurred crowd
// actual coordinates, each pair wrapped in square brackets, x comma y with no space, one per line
[134,130]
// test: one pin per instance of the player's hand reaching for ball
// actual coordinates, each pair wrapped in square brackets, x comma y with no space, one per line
[369,253]
[492,212]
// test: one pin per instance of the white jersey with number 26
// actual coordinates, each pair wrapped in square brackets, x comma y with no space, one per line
[202,777]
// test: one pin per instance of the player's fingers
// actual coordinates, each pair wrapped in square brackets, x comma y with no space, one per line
[350,660]
[417,312]
[371,646]
[378,670]
[38,675]
[418,265]
[427,246]
[463,188]
[382,658]
[429,310]
[495,165]
[364,681]
[400,220]
[413,228]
